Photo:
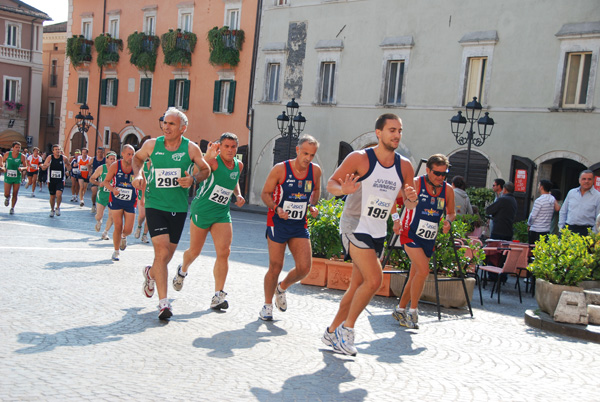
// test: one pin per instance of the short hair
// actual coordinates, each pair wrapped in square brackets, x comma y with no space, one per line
[556,193]
[509,187]
[128,146]
[229,136]
[15,143]
[459,182]
[183,120]
[34,148]
[546,185]
[85,149]
[55,146]
[309,139]
[111,153]
[499,182]
[380,122]
[437,159]
[586,171]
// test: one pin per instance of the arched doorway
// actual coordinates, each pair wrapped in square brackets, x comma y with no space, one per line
[562,172]
[132,140]
[478,167]
[78,141]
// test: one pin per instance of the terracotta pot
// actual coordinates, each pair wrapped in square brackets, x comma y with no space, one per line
[548,294]
[318,273]
[339,274]
[451,292]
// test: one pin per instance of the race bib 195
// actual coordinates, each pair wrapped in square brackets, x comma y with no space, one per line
[377,207]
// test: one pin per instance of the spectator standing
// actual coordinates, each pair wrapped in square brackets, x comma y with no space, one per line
[462,202]
[581,206]
[557,194]
[540,218]
[503,212]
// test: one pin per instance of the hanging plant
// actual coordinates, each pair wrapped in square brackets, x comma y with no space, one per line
[108,49]
[225,45]
[178,47]
[79,50]
[143,49]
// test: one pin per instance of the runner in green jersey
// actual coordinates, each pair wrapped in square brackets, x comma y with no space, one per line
[166,196]
[102,195]
[210,213]
[12,164]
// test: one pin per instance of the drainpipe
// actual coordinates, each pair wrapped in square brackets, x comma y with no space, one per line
[99,82]
[250,115]
[27,122]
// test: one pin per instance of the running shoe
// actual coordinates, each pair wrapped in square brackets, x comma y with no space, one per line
[137,232]
[266,314]
[72,198]
[148,282]
[280,300]
[81,204]
[145,238]
[345,340]
[115,256]
[400,315]
[329,339]
[52,213]
[98,226]
[165,313]
[6,201]
[105,236]
[178,279]
[12,211]
[27,186]
[412,319]
[93,210]
[32,195]
[218,301]
[123,245]
[57,211]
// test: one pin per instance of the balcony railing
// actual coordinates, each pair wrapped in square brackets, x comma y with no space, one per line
[13,53]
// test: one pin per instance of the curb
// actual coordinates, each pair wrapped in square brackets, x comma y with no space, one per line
[544,322]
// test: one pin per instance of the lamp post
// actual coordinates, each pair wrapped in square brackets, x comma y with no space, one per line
[290,125]
[84,120]
[459,122]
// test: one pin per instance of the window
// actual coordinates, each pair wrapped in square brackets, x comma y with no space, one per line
[109,91]
[13,34]
[113,27]
[82,90]
[273,82]
[150,25]
[12,89]
[233,18]
[475,79]
[224,97]
[106,137]
[179,94]
[185,22]
[145,92]
[51,112]
[53,75]
[577,78]
[394,81]
[86,29]
[327,82]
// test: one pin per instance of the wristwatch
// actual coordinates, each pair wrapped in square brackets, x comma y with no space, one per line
[395,216]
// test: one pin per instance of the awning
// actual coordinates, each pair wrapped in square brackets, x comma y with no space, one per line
[7,137]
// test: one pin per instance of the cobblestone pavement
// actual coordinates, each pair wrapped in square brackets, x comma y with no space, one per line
[75,326]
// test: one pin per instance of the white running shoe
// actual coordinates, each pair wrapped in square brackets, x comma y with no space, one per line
[32,195]
[12,211]
[329,339]
[52,213]
[400,315]
[123,245]
[145,238]
[98,226]
[115,256]
[93,210]
[165,312]
[266,314]
[280,299]
[178,279]
[137,232]
[345,340]
[6,201]
[105,236]
[27,186]
[412,319]
[81,204]
[57,211]
[148,282]
[218,301]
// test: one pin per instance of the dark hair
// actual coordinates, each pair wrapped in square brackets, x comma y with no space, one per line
[229,136]
[509,187]
[556,193]
[586,171]
[437,159]
[546,185]
[459,182]
[380,122]
[15,143]
[500,182]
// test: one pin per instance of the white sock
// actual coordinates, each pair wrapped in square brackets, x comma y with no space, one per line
[269,304]
[412,310]
[163,303]
[181,273]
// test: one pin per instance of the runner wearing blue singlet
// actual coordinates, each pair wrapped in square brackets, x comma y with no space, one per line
[75,176]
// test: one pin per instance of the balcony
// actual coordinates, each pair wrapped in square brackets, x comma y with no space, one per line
[143,49]
[178,47]
[79,50]
[9,53]
[225,45]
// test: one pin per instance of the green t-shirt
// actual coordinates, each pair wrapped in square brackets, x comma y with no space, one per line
[163,191]
[212,198]
[12,174]
[103,193]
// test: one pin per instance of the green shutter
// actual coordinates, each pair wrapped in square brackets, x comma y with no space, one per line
[172,89]
[115,93]
[145,90]
[186,94]
[217,97]
[82,91]
[85,90]
[103,85]
[231,100]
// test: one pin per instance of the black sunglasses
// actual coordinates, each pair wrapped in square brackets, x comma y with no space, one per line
[438,174]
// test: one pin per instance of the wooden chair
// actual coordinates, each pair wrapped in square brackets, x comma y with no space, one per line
[522,264]
[509,268]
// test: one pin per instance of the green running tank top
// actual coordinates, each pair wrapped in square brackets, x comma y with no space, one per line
[12,174]
[212,198]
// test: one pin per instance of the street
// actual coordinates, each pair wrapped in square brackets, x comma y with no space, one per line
[76,326]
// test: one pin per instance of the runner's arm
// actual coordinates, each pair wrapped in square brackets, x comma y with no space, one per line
[345,178]
[112,171]
[276,176]
[201,169]
[450,208]
[95,176]
[138,180]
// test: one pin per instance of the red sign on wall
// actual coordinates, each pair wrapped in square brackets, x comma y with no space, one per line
[521,180]
[597,182]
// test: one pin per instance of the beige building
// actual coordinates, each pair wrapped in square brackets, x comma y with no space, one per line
[532,65]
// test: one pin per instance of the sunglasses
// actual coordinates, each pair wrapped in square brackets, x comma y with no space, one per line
[440,174]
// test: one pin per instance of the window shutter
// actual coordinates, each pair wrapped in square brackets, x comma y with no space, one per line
[217,97]
[82,91]
[186,94]
[231,100]
[141,102]
[103,92]
[172,89]
[115,94]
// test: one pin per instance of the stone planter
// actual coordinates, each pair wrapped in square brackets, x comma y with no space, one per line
[587,285]
[318,273]
[339,274]
[451,293]
[548,294]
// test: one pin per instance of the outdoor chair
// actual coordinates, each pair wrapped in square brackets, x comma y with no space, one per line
[471,270]
[522,264]
[509,268]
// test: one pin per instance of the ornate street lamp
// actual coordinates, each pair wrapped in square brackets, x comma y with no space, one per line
[84,119]
[485,125]
[291,124]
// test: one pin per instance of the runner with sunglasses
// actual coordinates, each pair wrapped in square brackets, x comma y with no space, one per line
[418,230]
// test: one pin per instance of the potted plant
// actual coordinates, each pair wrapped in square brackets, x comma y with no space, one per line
[561,263]
[143,50]
[108,49]
[79,50]
[225,46]
[178,47]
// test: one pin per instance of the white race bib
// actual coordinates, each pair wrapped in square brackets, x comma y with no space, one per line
[167,178]
[55,174]
[75,171]
[220,195]
[83,168]
[377,207]
[125,194]
[427,230]
[295,210]
[11,173]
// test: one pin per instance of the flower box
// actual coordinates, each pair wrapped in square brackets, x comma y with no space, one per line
[452,293]
[339,274]
[318,273]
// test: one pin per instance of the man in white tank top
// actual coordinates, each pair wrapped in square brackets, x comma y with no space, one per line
[372,179]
